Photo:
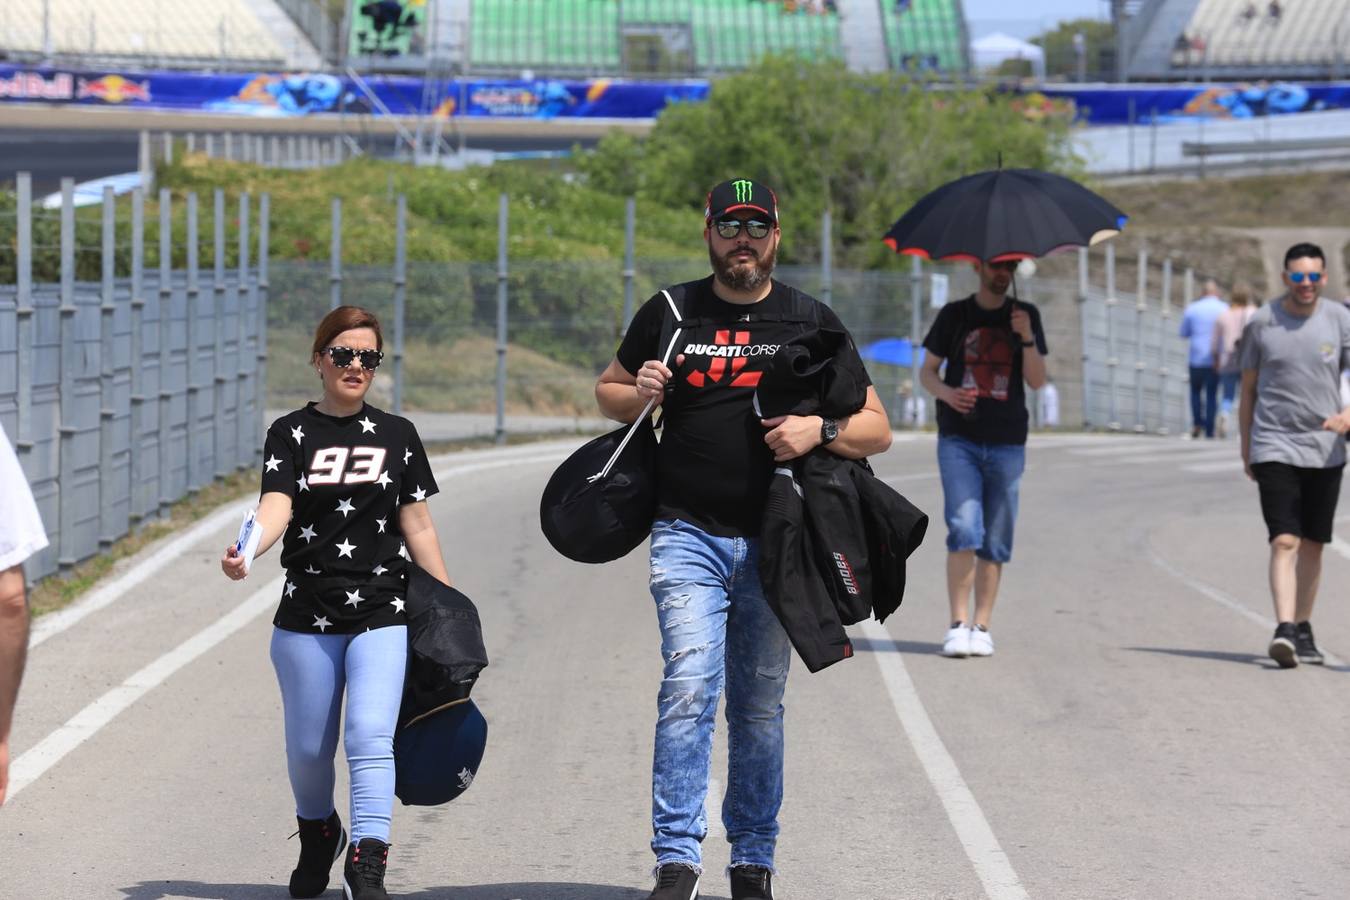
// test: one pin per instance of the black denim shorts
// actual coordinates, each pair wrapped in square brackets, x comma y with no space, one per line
[1298,501]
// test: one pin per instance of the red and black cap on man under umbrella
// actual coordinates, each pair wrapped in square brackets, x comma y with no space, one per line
[1004,214]
[741,193]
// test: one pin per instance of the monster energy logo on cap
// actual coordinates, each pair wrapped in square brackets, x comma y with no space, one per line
[744,190]
[741,193]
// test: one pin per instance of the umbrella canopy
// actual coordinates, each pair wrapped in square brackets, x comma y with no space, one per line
[1004,214]
[892,351]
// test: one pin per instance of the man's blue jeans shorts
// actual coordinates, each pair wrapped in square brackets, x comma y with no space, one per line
[979,489]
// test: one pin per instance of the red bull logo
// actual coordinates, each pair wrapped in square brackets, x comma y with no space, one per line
[114,89]
[33,86]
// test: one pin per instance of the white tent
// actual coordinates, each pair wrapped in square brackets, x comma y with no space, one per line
[989,51]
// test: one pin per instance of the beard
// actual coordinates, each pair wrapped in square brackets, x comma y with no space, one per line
[747,276]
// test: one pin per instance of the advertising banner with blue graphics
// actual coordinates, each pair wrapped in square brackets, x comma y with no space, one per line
[1110,105]
[299,94]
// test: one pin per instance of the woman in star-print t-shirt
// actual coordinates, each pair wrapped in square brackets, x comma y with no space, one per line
[344,485]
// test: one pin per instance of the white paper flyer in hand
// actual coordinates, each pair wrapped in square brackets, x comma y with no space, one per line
[250,535]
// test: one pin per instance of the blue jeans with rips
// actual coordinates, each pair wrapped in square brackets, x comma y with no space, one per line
[716,631]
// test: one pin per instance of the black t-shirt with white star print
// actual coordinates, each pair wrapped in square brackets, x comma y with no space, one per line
[344,555]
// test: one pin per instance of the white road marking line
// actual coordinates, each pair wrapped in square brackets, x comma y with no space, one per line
[86,723]
[1211,456]
[1340,545]
[712,808]
[1219,597]
[982,848]
[53,624]
[917,476]
[1153,451]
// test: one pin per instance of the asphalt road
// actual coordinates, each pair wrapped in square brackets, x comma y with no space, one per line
[1129,739]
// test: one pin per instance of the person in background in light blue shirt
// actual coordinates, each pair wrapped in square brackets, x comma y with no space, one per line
[1197,325]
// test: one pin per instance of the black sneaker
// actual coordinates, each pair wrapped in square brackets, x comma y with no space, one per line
[751,883]
[675,882]
[1283,646]
[1305,646]
[321,843]
[363,875]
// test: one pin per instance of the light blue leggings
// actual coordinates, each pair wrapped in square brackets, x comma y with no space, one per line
[313,670]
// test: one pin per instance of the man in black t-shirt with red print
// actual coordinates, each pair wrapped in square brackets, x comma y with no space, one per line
[991,344]
[714,465]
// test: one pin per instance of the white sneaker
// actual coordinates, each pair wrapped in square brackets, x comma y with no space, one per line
[957,641]
[981,641]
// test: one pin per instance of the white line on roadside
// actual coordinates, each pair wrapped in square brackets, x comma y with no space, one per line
[983,850]
[85,723]
[1226,465]
[712,808]
[1219,597]
[57,622]
[1340,545]
[917,476]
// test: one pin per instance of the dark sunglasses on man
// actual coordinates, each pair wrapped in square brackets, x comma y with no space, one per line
[729,228]
[1297,277]
[342,357]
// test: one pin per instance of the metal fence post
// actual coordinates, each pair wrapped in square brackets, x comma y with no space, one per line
[827,258]
[165,353]
[109,529]
[194,386]
[335,256]
[264,235]
[1163,332]
[144,165]
[168,148]
[139,504]
[1086,334]
[218,423]
[65,426]
[1111,360]
[1139,309]
[915,332]
[244,449]
[629,260]
[228,140]
[24,311]
[400,290]
[502,209]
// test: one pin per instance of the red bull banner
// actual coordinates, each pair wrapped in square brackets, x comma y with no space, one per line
[311,93]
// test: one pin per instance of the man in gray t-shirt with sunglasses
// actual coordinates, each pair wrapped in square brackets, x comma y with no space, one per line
[1292,354]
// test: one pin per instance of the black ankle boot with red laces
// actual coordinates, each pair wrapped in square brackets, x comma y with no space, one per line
[321,843]
[363,875]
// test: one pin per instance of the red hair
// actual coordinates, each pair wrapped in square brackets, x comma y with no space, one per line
[345,318]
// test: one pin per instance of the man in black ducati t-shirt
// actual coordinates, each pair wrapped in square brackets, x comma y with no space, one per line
[715,462]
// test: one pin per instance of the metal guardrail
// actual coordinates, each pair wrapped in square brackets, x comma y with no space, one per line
[1219,148]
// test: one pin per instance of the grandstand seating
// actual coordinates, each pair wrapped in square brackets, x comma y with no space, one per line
[587,36]
[1238,34]
[925,35]
[164,32]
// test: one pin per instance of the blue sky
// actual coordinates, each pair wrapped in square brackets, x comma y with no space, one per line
[1029,18]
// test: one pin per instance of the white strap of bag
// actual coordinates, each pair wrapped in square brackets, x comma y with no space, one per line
[646,410]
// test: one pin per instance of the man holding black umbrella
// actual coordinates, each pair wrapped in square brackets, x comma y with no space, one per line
[991,344]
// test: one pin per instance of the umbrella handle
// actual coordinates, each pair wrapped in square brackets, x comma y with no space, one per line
[646,411]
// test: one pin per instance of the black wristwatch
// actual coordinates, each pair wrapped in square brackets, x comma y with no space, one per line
[829,430]
[1030,343]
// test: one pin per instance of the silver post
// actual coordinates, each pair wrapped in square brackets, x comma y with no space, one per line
[243,448]
[109,527]
[194,387]
[629,257]
[209,145]
[335,256]
[218,316]
[827,258]
[24,277]
[140,504]
[264,235]
[502,209]
[168,148]
[143,160]
[400,290]
[915,333]
[1164,331]
[1140,308]
[66,425]
[165,449]
[190,145]
[228,140]
[1112,362]
[1085,335]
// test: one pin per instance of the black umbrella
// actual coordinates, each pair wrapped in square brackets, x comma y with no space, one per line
[1004,214]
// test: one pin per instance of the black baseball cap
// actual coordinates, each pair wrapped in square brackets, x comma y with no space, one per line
[741,193]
